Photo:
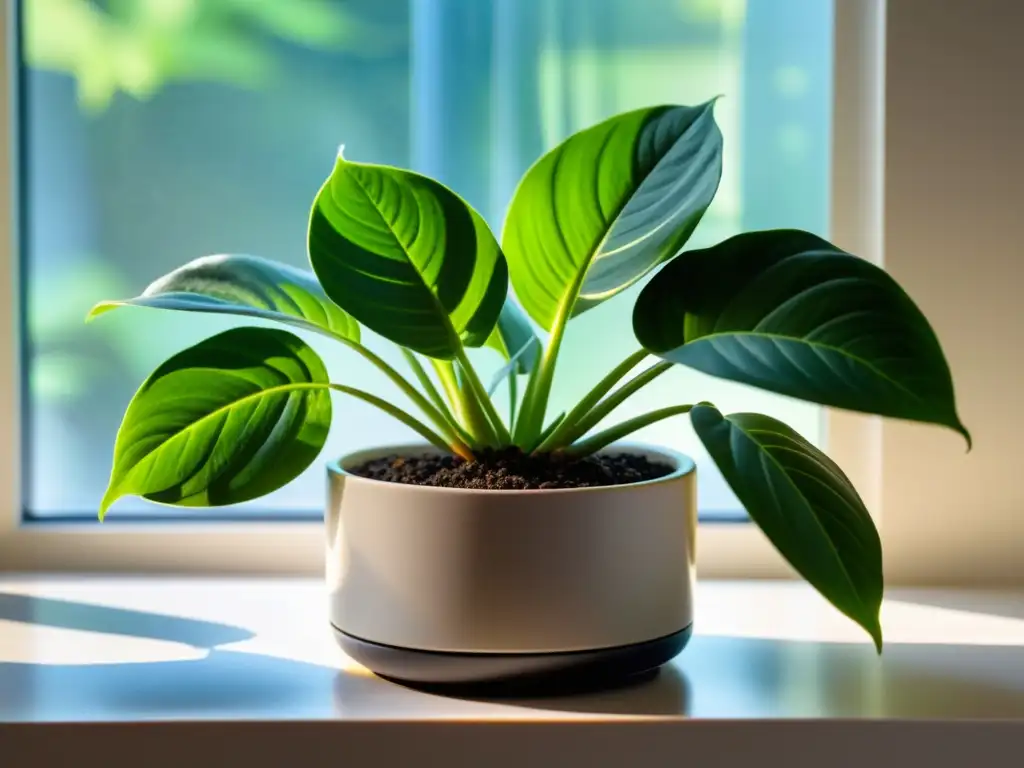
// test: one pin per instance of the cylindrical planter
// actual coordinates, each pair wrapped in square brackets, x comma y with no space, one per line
[455,586]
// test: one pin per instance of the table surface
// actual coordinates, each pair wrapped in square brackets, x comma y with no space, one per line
[93,649]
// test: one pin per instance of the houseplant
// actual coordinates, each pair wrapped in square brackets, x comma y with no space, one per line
[481,555]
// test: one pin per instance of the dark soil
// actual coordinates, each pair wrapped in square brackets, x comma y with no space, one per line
[511,469]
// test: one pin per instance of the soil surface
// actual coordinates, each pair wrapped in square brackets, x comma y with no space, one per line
[511,469]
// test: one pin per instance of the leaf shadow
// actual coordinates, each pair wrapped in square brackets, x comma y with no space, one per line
[68,614]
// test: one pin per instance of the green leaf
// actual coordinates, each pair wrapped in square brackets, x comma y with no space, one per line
[228,420]
[238,284]
[609,204]
[407,258]
[788,312]
[513,337]
[805,505]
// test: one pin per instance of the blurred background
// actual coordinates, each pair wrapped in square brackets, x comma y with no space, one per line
[155,131]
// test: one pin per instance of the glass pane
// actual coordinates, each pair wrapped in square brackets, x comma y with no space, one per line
[155,131]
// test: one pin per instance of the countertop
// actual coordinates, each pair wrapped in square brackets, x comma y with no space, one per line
[226,672]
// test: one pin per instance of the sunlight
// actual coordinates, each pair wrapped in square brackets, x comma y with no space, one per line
[22,643]
[791,613]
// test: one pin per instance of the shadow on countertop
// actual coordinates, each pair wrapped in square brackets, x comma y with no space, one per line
[231,683]
[68,614]
[718,677]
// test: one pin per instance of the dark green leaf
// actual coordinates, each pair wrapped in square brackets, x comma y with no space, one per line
[804,504]
[407,258]
[609,204]
[238,284]
[228,420]
[788,312]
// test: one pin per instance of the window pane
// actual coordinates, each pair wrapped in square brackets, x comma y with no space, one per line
[155,131]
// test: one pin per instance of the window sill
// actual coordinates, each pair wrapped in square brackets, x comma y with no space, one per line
[207,548]
[244,671]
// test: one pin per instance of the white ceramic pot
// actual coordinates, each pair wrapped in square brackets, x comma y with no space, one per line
[448,585]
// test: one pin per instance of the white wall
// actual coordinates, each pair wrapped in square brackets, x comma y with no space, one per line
[954,237]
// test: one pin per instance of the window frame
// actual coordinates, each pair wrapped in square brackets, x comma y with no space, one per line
[297,548]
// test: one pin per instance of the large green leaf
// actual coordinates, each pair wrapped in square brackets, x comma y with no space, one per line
[788,312]
[227,420]
[609,204]
[805,505]
[407,258]
[239,284]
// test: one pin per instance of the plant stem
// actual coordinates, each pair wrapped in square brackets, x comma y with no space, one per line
[608,436]
[575,428]
[535,402]
[466,408]
[428,385]
[446,374]
[513,396]
[431,412]
[426,382]
[559,436]
[479,393]
[550,428]
[417,426]
[531,415]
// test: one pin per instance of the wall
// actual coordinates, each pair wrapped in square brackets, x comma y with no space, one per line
[954,205]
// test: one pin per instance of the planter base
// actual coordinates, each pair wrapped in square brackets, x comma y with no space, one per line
[514,672]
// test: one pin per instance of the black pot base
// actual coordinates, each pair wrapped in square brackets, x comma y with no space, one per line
[515,674]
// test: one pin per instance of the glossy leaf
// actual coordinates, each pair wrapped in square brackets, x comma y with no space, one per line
[805,505]
[407,258]
[788,312]
[513,337]
[238,284]
[228,420]
[609,204]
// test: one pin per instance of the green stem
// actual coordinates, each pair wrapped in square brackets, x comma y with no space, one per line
[608,436]
[466,408]
[449,382]
[436,398]
[584,406]
[531,415]
[431,412]
[479,393]
[513,396]
[446,374]
[576,426]
[550,428]
[417,426]
[535,402]
[426,382]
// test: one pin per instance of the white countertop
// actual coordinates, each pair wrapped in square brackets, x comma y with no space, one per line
[253,660]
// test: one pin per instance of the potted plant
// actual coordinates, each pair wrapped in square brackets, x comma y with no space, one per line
[526,545]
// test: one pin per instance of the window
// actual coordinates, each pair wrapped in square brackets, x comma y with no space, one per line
[155,131]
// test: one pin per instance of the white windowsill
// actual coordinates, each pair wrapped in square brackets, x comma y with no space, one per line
[184,670]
